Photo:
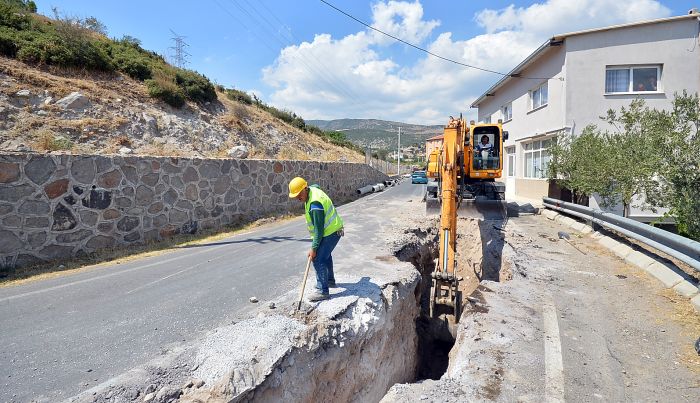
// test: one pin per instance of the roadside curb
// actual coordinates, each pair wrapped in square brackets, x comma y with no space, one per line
[661,271]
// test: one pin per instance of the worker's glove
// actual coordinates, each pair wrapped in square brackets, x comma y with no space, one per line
[341,232]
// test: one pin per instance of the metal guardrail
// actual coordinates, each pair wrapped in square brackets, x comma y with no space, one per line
[679,247]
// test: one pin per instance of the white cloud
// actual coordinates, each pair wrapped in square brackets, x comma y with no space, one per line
[562,16]
[402,20]
[351,77]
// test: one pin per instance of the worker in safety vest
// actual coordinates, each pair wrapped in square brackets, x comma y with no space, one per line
[326,228]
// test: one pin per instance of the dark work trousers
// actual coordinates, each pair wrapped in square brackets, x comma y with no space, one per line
[323,262]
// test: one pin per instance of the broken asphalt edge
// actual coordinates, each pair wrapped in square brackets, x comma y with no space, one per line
[667,274]
[289,356]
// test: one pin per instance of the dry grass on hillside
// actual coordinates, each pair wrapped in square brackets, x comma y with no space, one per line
[115,116]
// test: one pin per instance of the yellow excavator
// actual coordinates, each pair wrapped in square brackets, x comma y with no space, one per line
[463,172]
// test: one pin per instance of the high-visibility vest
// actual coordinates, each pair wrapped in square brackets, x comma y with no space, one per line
[332,221]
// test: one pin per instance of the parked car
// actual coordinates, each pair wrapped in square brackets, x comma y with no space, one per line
[419,177]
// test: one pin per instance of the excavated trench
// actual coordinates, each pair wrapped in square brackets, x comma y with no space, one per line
[479,258]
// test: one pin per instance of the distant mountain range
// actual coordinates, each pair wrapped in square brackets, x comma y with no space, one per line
[378,134]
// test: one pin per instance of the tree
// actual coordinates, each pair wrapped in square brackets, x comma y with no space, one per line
[634,152]
[678,185]
[579,163]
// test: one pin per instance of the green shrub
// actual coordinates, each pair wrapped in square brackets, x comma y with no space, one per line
[239,96]
[8,47]
[163,87]
[195,86]
[14,14]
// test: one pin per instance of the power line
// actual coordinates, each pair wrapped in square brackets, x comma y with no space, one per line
[327,73]
[180,56]
[426,50]
[309,67]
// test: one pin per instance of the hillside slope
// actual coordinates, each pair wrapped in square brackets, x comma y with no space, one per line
[377,133]
[117,114]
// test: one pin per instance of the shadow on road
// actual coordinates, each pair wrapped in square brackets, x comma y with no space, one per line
[260,240]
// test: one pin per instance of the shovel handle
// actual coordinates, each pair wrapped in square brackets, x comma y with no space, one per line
[303,283]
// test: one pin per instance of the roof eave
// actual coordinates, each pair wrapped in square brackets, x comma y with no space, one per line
[513,73]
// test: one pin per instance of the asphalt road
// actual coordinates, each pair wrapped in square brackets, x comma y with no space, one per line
[61,336]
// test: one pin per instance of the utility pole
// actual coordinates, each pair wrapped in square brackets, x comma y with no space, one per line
[398,155]
[180,55]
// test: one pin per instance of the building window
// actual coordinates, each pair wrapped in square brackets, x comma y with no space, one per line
[539,96]
[507,111]
[632,79]
[536,156]
[511,161]
[487,119]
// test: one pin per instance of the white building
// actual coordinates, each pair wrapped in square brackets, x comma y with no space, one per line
[573,79]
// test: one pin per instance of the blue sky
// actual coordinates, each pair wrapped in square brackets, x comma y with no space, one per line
[304,56]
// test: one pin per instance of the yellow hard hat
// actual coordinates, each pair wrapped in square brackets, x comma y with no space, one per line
[296,185]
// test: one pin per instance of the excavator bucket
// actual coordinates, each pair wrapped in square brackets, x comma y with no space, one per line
[483,208]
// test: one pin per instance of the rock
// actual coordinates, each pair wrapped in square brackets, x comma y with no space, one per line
[63,219]
[198,383]
[125,151]
[9,242]
[149,397]
[74,101]
[9,172]
[168,394]
[238,152]
[48,101]
[23,94]
[253,300]
[40,168]
[271,305]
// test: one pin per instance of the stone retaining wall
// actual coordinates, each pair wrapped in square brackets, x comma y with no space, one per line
[58,206]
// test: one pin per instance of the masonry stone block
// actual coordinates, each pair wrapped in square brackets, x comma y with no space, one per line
[9,172]
[126,224]
[144,195]
[73,237]
[110,180]
[103,163]
[34,207]
[52,252]
[83,170]
[98,199]
[40,168]
[13,194]
[36,239]
[6,208]
[88,218]
[191,192]
[150,179]
[132,237]
[190,175]
[56,188]
[12,221]
[9,242]
[100,242]
[130,173]
[36,222]
[63,218]
[209,171]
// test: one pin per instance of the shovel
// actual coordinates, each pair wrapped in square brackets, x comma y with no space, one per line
[303,284]
[565,236]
